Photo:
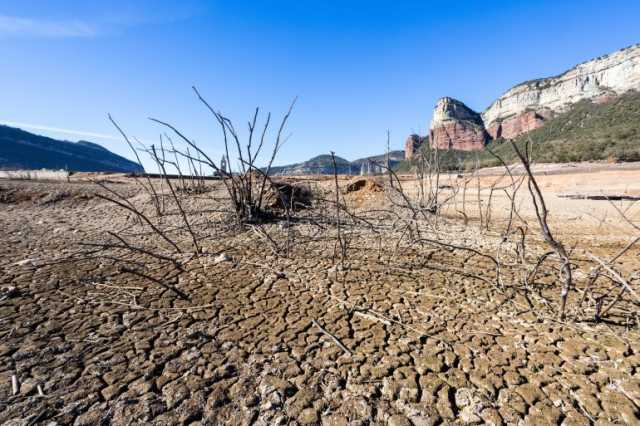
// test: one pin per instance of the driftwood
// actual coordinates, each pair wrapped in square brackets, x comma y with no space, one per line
[616,275]
[332,337]
[600,197]
[542,214]
[15,385]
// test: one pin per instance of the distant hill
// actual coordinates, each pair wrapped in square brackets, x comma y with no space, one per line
[20,150]
[588,131]
[322,165]
[394,158]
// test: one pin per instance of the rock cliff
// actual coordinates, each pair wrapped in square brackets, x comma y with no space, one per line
[412,144]
[518,124]
[598,80]
[456,126]
[529,105]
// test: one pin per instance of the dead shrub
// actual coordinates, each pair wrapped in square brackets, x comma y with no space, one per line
[285,196]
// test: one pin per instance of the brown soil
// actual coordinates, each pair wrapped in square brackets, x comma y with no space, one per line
[361,191]
[429,337]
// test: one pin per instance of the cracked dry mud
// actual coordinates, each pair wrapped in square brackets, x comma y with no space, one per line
[427,346]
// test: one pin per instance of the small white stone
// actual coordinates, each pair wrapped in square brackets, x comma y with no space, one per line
[464,397]
[468,416]
[222,257]
[9,291]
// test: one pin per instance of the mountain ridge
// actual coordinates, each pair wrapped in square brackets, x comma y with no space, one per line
[22,150]
[529,105]
[322,164]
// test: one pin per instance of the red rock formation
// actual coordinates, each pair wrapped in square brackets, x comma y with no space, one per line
[411,146]
[513,127]
[456,126]
[604,99]
[458,135]
[527,106]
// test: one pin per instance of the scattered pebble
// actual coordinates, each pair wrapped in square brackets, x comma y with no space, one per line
[222,257]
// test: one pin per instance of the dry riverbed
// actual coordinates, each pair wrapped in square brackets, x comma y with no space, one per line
[394,333]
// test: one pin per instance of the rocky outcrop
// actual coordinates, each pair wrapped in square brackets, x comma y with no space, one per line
[529,105]
[526,106]
[413,143]
[456,126]
[518,124]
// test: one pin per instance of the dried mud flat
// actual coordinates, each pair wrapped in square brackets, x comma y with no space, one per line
[421,335]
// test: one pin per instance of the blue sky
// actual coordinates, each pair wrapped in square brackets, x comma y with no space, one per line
[358,67]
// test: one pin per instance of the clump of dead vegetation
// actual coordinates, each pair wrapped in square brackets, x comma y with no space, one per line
[157,251]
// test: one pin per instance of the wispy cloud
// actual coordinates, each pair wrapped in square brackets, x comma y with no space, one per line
[63,131]
[92,20]
[13,26]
